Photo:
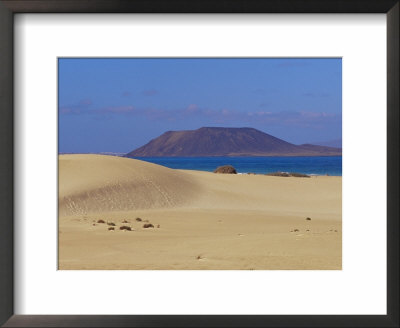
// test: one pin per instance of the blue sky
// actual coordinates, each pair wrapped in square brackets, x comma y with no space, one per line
[117,105]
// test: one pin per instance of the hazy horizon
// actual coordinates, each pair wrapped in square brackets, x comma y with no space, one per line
[117,105]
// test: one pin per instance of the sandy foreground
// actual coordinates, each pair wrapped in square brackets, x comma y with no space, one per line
[201,220]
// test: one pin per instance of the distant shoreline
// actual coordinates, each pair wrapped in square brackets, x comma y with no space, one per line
[310,165]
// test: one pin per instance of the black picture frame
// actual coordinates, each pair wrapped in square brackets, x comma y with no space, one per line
[10,7]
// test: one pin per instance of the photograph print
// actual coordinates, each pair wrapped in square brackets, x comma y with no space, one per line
[199,164]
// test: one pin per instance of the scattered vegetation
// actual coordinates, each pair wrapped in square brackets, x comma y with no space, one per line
[125,228]
[296,230]
[148,225]
[111,224]
[138,219]
[299,175]
[111,228]
[101,221]
[286,174]
[125,221]
[308,219]
[278,174]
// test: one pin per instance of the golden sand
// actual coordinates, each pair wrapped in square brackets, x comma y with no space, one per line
[201,220]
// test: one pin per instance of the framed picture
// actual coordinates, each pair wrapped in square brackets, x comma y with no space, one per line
[119,123]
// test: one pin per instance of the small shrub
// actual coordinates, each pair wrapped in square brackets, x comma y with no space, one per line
[125,228]
[296,230]
[226,169]
[111,228]
[101,221]
[285,174]
[138,219]
[278,174]
[125,221]
[298,175]
[148,225]
[111,224]
[158,225]
[308,219]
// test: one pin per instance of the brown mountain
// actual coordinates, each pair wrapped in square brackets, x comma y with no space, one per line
[226,142]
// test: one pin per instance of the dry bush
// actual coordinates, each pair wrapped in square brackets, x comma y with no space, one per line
[148,225]
[285,174]
[227,169]
[125,228]
[111,228]
[278,174]
[298,175]
[101,221]
[111,224]
[138,219]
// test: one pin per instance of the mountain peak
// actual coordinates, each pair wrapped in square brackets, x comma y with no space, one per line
[222,141]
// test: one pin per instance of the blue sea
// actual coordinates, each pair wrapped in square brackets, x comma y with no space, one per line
[331,165]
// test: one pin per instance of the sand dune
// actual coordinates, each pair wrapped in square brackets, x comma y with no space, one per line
[98,183]
[201,220]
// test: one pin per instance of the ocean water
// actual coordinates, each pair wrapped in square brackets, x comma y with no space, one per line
[331,165]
